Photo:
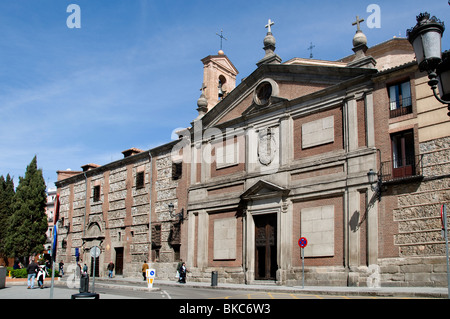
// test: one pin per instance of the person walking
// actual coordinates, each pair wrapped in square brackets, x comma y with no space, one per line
[32,270]
[144,270]
[180,263]
[183,271]
[110,269]
[61,268]
[41,277]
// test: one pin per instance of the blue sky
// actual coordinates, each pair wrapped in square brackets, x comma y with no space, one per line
[132,73]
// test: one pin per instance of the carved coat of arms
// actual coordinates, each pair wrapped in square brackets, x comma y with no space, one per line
[266,146]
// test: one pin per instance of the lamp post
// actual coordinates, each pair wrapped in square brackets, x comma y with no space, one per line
[179,215]
[375,178]
[425,38]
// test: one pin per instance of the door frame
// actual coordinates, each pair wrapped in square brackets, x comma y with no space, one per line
[117,269]
[250,244]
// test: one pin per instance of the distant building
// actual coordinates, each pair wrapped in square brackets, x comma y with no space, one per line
[284,154]
[49,211]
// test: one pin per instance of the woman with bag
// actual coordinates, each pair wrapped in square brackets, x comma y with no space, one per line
[41,277]
[182,272]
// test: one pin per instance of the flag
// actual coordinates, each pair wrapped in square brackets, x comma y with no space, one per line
[56,212]
[55,242]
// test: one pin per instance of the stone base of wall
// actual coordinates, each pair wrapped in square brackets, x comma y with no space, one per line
[413,272]
[316,276]
[390,272]
[233,275]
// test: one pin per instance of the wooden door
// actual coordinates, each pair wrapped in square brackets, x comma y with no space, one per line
[265,246]
[119,261]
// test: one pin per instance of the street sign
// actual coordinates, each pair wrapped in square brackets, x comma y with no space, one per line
[95,251]
[302,242]
[150,277]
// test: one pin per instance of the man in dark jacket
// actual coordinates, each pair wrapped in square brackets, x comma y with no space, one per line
[32,270]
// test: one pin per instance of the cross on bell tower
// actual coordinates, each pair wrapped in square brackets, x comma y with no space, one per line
[221,39]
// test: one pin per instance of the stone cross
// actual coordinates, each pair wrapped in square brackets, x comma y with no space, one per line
[357,23]
[271,23]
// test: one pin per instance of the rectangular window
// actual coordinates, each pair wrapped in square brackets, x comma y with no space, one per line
[96,193]
[177,170]
[403,157]
[139,180]
[400,102]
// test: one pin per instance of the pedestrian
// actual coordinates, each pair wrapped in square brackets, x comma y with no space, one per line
[61,268]
[48,266]
[32,270]
[180,263]
[110,269]
[182,272]
[144,270]
[41,277]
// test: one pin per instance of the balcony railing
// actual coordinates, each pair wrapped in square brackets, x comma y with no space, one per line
[402,168]
[400,107]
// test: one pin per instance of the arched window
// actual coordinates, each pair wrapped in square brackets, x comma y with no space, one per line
[221,87]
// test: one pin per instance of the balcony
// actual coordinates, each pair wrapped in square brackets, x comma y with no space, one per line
[400,107]
[401,169]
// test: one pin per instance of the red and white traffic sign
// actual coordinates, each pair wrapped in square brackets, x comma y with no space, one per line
[302,242]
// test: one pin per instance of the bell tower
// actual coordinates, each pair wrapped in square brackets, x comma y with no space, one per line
[219,78]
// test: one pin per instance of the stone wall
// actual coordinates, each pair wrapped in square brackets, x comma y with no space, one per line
[421,247]
[166,193]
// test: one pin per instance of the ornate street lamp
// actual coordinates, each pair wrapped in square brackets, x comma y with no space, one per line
[425,38]
[179,215]
[374,178]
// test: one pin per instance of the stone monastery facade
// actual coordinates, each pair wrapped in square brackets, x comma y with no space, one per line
[284,154]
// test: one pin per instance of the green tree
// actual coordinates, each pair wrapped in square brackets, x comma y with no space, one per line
[28,223]
[6,199]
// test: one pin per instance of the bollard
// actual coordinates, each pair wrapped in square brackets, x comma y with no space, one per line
[214,277]
[84,283]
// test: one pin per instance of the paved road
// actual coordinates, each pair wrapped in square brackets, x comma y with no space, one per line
[168,293]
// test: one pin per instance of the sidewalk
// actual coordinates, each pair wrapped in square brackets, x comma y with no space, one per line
[139,284]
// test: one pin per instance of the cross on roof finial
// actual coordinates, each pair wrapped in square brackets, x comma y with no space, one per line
[357,23]
[221,38]
[268,26]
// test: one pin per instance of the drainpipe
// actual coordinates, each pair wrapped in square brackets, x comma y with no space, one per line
[150,206]
[85,205]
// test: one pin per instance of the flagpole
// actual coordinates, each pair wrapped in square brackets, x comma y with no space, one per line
[54,242]
[55,233]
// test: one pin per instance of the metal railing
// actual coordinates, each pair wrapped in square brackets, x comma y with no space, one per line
[402,168]
[400,107]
